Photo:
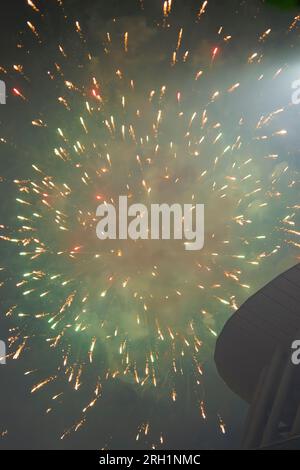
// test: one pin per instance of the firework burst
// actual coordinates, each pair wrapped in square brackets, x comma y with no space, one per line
[121,115]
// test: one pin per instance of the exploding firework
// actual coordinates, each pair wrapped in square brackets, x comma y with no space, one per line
[121,114]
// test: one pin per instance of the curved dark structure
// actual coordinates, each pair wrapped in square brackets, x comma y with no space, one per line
[253,356]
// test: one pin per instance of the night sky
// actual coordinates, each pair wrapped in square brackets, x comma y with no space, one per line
[77,80]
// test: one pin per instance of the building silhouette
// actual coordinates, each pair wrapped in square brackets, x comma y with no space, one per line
[254,357]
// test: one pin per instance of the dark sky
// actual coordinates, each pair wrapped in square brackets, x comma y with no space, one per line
[23,414]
